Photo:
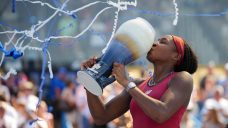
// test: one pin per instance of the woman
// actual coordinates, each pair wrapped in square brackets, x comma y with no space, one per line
[159,101]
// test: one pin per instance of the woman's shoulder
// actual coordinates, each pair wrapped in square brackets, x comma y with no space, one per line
[183,79]
[183,75]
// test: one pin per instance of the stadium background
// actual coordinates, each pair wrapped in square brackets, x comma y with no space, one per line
[204,25]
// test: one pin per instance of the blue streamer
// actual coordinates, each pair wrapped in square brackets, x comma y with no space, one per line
[59,5]
[9,26]
[32,121]
[44,66]
[43,74]
[13,6]
[40,91]
[11,53]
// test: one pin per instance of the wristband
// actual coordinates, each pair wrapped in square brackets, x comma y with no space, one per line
[130,86]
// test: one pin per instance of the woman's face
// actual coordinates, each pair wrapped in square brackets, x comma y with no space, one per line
[162,50]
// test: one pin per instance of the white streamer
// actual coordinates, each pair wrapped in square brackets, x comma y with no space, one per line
[24,34]
[11,71]
[176,13]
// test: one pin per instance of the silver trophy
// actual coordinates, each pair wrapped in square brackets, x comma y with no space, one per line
[133,39]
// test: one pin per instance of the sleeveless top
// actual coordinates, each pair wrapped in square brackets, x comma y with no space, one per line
[141,120]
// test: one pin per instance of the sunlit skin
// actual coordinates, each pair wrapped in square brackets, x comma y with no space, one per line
[164,56]
[163,53]
[162,50]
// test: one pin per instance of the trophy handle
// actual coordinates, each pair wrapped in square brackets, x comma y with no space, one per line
[99,58]
[107,81]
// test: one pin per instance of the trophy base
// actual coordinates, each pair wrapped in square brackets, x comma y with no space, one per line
[89,83]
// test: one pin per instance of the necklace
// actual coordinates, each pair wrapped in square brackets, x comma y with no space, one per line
[152,81]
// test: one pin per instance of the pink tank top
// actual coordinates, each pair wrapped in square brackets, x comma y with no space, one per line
[141,120]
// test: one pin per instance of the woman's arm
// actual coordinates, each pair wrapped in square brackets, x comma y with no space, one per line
[103,113]
[176,96]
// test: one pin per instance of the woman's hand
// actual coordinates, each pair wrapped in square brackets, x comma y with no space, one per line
[120,74]
[88,63]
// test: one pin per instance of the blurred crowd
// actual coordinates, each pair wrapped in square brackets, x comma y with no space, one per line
[208,107]
[64,104]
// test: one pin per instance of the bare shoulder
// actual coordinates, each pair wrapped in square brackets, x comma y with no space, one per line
[183,77]
[179,92]
[181,85]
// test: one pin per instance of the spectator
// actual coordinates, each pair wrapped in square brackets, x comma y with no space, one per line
[8,115]
[69,105]
[224,82]
[190,119]
[44,114]
[212,120]
[207,84]
[218,102]
[4,92]
[83,107]
[56,87]
[58,84]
